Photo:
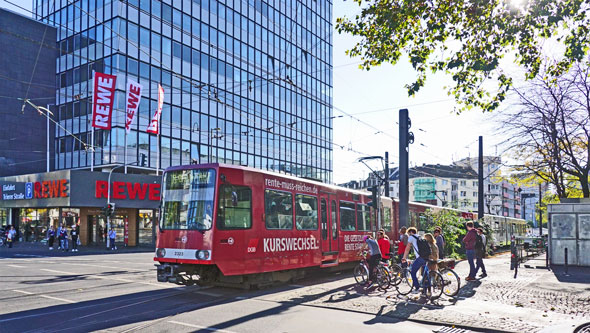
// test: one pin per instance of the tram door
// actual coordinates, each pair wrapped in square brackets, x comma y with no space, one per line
[328,226]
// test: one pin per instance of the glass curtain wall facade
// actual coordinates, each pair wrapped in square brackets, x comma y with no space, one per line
[246,81]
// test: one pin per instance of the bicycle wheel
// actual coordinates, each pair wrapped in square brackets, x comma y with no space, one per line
[436,285]
[406,282]
[451,281]
[383,278]
[361,274]
[396,274]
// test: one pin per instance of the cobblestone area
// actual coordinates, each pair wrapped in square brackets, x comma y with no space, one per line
[535,300]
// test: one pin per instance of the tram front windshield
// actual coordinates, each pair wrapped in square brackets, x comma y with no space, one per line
[187,199]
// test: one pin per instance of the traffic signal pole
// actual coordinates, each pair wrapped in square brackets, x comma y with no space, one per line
[108,213]
[404,181]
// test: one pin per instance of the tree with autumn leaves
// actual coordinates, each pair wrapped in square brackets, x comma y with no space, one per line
[471,41]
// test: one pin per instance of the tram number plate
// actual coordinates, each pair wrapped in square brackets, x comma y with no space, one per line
[178,253]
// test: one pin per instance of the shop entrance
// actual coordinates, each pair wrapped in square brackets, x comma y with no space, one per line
[97,228]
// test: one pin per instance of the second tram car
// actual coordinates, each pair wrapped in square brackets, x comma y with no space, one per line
[239,225]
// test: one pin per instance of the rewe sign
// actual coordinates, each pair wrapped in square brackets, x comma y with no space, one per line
[127,190]
[103,98]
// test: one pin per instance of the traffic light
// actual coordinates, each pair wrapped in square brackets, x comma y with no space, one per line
[110,209]
[374,201]
[143,161]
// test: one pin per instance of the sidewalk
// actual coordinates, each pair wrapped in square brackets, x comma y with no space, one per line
[36,249]
[537,299]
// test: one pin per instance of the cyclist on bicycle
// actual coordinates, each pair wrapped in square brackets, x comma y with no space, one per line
[374,258]
[419,262]
[384,246]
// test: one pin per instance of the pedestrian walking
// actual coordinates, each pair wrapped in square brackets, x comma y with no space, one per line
[112,236]
[75,234]
[402,243]
[58,233]
[50,237]
[440,242]
[11,237]
[469,242]
[480,253]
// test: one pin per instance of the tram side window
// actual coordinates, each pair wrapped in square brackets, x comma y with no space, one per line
[363,216]
[334,221]
[306,212]
[235,207]
[387,218]
[278,207]
[347,222]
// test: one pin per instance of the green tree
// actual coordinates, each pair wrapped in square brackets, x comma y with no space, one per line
[453,229]
[468,39]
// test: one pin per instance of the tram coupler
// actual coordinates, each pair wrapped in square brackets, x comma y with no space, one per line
[166,273]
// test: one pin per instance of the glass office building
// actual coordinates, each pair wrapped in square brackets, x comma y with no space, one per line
[247,81]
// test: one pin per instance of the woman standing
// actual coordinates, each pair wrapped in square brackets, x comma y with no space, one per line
[433,259]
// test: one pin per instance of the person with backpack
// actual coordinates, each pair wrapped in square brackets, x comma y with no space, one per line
[375,253]
[440,242]
[50,237]
[469,242]
[384,246]
[422,252]
[480,253]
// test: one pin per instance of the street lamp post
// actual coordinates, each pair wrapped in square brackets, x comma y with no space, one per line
[210,139]
[109,197]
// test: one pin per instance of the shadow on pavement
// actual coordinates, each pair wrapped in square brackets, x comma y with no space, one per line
[575,274]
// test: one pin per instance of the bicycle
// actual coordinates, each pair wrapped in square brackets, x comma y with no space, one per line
[382,274]
[432,282]
[452,282]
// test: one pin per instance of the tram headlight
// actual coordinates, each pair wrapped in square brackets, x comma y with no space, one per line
[203,255]
[160,253]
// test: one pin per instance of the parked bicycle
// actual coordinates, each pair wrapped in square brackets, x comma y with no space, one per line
[452,282]
[382,273]
[432,282]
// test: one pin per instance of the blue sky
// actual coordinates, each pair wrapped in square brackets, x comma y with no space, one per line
[375,97]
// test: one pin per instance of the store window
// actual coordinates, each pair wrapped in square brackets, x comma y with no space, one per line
[33,224]
[3,217]
[145,227]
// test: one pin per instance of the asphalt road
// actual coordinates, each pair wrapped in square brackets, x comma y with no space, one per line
[119,293]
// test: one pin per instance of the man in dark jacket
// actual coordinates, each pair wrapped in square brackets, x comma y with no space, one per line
[480,253]
[469,242]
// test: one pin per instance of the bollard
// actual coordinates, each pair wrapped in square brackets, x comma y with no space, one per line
[566,262]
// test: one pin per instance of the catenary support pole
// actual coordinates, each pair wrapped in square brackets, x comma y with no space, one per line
[480,187]
[540,213]
[386,174]
[48,159]
[404,193]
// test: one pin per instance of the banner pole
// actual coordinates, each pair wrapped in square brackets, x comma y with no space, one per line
[92,125]
[125,152]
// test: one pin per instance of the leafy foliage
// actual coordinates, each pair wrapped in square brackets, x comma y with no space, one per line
[467,40]
[453,229]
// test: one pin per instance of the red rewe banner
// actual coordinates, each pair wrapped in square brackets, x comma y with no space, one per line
[103,99]
[133,99]
[154,124]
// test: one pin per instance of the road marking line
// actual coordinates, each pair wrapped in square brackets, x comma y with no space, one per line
[60,272]
[208,293]
[23,292]
[58,299]
[213,329]
[16,266]
[44,296]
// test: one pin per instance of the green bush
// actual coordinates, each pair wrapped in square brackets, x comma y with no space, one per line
[453,230]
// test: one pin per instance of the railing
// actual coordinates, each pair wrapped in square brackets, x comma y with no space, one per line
[523,249]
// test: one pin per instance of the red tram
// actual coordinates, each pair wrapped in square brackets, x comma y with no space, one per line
[222,223]
[238,225]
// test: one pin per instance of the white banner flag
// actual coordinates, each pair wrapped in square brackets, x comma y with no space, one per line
[153,126]
[132,102]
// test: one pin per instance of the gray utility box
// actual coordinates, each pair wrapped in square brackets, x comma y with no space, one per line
[569,228]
